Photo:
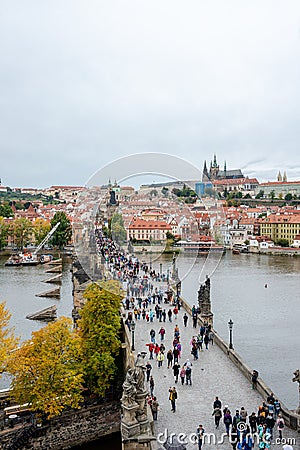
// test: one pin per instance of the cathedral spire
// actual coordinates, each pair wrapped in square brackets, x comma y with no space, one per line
[284,177]
[225,168]
[215,160]
[279,176]
[205,176]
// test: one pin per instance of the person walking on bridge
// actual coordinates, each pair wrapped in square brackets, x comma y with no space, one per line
[170,358]
[185,319]
[173,397]
[200,436]
[176,368]
[217,412]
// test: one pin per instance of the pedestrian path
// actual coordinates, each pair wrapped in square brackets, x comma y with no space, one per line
[213,374]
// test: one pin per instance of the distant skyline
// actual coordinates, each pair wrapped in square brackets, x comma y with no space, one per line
[82,84]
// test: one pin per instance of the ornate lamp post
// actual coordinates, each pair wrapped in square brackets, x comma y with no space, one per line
[132,335]
[230,325]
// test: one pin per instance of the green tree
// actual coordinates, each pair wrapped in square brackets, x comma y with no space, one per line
[165,191]
[247,195]
[6,210]
[21,231]
[282,242]
[260,194]
[41,228]
[117,228]
[272,195]
[288,197]
[63,233]
[47,371]
[8,341]
[99,331]
[4,230]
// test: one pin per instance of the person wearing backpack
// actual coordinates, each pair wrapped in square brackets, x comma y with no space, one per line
[217,412]
[188,375]
[154,408]
[280,425]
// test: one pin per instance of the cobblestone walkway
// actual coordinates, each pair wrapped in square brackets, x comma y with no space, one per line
[213,374]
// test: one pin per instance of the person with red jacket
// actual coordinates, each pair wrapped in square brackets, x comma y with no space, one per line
[151,347]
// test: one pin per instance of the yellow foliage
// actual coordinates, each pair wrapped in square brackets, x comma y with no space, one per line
[8,341]
[46,370]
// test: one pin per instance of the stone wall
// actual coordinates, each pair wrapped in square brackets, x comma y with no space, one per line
[73,428]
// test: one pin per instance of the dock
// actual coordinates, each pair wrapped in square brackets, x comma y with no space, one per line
[55,279]
[46,314]
[55,269]
[53,293]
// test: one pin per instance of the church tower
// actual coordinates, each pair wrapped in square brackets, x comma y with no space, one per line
[205,176]
[214,169]
[279,176]
[284,177]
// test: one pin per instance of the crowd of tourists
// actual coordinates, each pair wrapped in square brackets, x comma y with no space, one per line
[156,306]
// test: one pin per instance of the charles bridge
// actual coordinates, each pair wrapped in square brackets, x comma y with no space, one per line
[219,371]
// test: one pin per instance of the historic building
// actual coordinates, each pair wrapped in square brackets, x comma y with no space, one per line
[280,226]
[215,173]
[148,230]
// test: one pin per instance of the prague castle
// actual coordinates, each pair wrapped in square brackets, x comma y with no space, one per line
[216,174]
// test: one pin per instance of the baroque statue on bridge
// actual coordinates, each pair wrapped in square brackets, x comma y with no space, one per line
[129,388]
[297,379]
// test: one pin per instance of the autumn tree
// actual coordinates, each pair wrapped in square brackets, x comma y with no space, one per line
[41,228]
[117,228]
[4,229]
[46,370]
[63,233]
[99,331]
[21,231]
[8,341]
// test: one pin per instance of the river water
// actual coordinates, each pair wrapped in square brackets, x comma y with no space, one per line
[266,319]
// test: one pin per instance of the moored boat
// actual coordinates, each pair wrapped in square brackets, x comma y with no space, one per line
[13,261]
[201,247]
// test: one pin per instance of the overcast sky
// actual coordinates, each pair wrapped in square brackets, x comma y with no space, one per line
[85,82]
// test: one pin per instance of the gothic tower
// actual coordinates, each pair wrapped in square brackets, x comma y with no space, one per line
[214,169]
[205,176]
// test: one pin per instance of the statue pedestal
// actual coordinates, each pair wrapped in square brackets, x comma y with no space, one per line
[141,413]
[129,425]
[207,317]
